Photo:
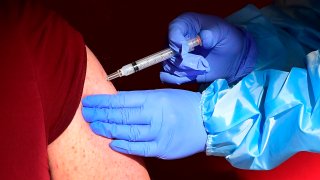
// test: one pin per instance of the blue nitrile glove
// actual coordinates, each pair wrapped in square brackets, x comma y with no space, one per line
[162,123]
[227,51]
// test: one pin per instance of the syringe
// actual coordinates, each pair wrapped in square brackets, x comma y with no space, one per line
[150,60]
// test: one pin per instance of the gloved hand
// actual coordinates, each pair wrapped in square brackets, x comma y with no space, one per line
[227,51]
[155,123]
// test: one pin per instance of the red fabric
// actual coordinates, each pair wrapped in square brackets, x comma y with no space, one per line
[302,166]
[42,71]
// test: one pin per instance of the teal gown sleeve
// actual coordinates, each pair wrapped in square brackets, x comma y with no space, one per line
[274,112]
[265,118]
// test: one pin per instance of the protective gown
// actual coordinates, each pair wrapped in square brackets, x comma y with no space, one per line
[274,112]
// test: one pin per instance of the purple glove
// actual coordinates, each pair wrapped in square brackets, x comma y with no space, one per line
[227,51]
[164,123]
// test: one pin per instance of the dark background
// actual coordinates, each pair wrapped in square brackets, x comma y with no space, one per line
[119,32]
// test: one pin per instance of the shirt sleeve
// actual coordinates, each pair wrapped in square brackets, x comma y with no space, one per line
[60,64]
[42,71]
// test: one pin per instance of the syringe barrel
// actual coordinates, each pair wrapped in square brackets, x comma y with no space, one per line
[155,58]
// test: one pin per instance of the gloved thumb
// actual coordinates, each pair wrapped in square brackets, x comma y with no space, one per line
[209,38]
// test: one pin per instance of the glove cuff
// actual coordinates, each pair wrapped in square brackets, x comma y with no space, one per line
[247,59]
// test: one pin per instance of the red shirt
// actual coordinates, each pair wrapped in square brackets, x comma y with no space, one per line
[42,71]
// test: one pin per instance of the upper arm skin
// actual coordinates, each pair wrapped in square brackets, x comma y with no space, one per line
[80,154]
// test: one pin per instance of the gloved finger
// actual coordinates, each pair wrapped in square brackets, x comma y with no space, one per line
[120,100]
[180,31]
[145,149]
[191,65]
[123,132]
[203,78]
[209,77]
[177,32]
[115,115]
[210,38]
[173,79]
[195,62]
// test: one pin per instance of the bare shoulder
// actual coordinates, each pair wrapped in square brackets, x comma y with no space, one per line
[80,154]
